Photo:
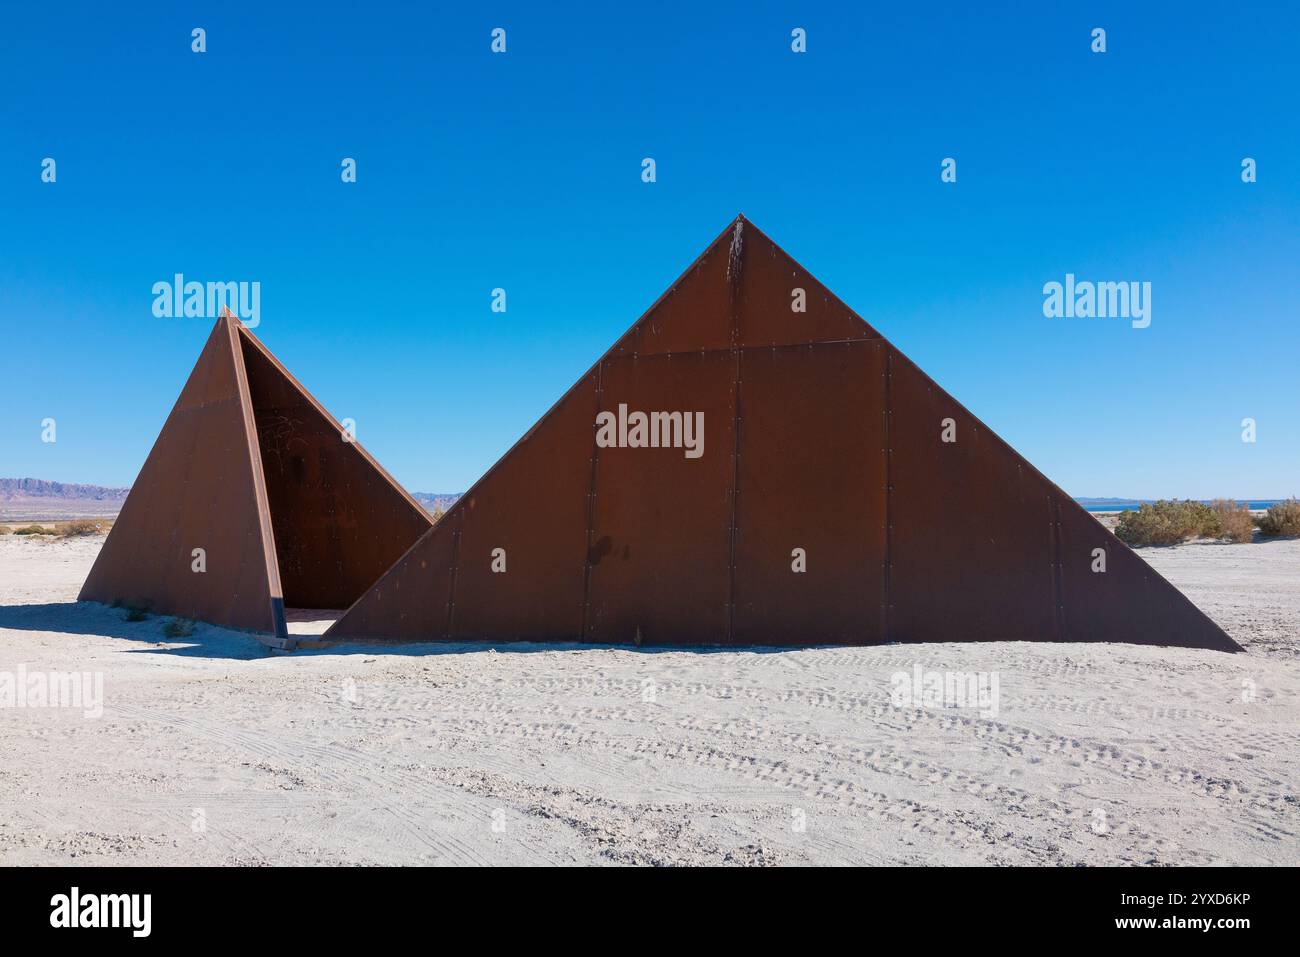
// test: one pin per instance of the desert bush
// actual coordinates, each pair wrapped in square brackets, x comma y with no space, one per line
[178,628]
[1282,518]
[135,611]
[1168,522]
[6,530]
[80,526]
[33,530]
[1234,520]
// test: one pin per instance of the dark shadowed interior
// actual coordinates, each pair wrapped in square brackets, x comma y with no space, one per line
[339,521]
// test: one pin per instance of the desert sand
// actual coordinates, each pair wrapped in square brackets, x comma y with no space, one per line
[212,750]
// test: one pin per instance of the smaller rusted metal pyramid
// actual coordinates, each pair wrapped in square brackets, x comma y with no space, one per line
[253,498]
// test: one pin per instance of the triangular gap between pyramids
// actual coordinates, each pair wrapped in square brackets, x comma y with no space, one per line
[1004,564]
[196,537]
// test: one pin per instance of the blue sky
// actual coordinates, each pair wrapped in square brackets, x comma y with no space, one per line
[522,171]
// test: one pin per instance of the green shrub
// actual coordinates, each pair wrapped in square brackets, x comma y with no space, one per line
[178,628]
[33,530]
[1168,522]
[1234,520]
[80,526]
[137,611]
[1282,518]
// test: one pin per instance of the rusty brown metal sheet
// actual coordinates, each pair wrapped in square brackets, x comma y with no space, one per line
[251,470]
[412,600]
[660,554]
[922,539]
[198,489]
[1109,593]
[811,477]
[693,314]
[970,547]
[782,304]
[523,534]
[340,521]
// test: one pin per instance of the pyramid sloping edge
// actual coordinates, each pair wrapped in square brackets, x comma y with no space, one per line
[1005,564]
[193,538]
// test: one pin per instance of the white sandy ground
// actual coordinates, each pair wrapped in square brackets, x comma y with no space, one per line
[1101,754]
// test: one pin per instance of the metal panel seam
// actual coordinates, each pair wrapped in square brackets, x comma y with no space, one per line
[455,565]
[887,608]
[735,269]
[591,502]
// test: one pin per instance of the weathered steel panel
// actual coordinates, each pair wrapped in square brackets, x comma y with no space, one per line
[339,520]
[1108,593]
[782,304]
[523,544]
[694,314]
[971,554]
[661,535]
[196,490]
[411,602]
[812,477]
[907,537]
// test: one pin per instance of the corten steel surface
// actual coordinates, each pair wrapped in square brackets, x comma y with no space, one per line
[204,486]
[199,488]
[820,489]
[1130,602]
[767,285]
[660,551]
[971,550]
[536,512]
[413,599]
[340,521]
[818,435]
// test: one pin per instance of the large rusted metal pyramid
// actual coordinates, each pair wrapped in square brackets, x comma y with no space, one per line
[253,499]
[915,522]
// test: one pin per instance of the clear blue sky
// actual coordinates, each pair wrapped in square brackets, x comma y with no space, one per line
[523,171]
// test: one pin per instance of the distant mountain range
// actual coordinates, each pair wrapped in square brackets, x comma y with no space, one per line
[440,501]
[39,488]
[37,500]
[29,499]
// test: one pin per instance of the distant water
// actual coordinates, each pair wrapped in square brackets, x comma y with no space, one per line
[1126,506]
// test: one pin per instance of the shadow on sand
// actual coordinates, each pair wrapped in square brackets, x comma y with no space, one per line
[210,641]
